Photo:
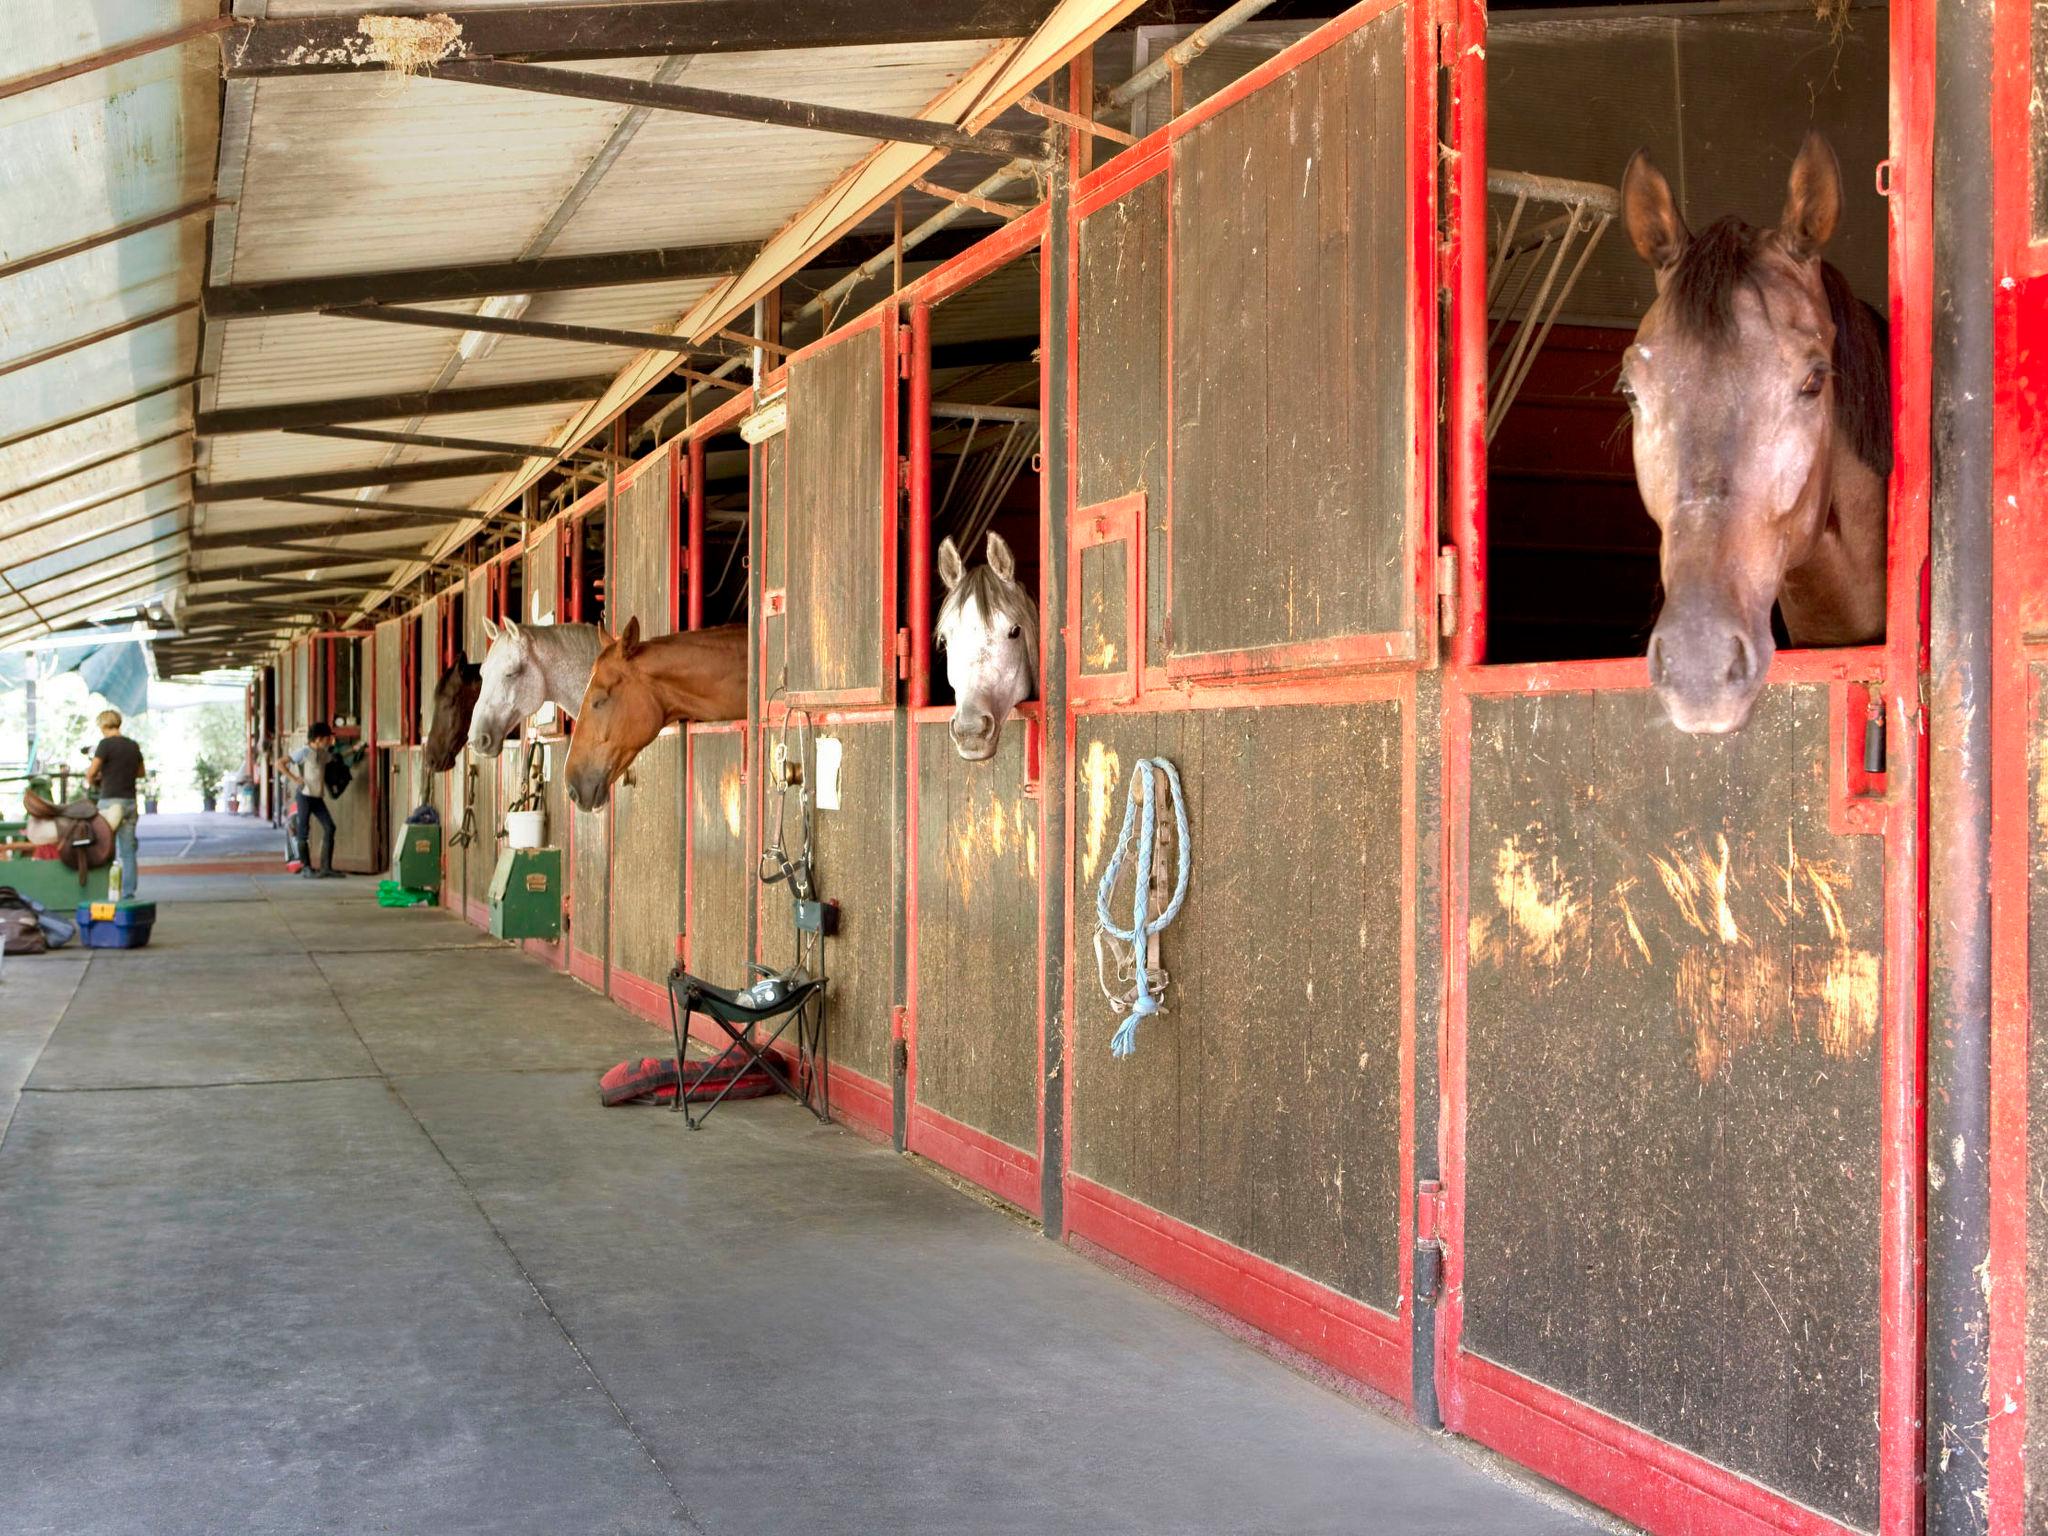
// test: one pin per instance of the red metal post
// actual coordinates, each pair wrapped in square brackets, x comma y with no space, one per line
[1464,521]
[919,447]
[695,613]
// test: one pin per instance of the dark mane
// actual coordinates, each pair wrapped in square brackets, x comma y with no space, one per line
[1701,293]
[1701,289]
[1863,375]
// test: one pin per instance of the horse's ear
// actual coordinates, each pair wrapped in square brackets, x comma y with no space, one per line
[950,568]
[1813,199]
[510,630]
[1655,226]
[629,642]
[1000,560]
[490,631]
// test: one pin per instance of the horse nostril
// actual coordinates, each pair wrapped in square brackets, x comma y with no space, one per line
[1656,659]
[1743,666]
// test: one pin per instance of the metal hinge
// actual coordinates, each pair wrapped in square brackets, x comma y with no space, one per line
[903,352]
[903,653]
[900,1055]
[1447,591]
[1430,1225]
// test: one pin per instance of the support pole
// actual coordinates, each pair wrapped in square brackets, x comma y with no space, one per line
[694,614]
[918,448]
[1959,781]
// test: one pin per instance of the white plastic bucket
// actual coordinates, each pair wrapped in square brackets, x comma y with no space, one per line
[524,829]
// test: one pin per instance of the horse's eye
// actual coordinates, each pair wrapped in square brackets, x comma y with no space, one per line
[599,702]
[1816,381]
[1016,631]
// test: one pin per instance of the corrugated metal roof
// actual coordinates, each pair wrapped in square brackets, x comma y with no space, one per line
[79,158]
[372,172]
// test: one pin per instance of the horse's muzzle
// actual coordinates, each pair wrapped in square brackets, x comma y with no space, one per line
[1708,669]
[975,734]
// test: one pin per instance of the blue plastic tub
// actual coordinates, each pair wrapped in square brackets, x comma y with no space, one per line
[115,924]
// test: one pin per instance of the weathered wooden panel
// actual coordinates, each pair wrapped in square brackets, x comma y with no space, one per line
[1105,610]
[387,718]
[544,578]
[2037,1118]
[721,881]
[481,856]
[647,862]
[302,689]
[356,834]
[590,889]
[977,938]
[1121,387]
[856,859]
[834,514]
[430,665]
[1672,1153]
[1264,1106]
[647,824]
[1290,357]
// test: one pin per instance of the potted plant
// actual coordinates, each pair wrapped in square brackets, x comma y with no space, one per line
[208,772]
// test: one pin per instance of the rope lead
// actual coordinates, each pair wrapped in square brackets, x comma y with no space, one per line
[1148,985]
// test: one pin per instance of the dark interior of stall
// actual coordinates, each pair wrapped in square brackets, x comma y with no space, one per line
[1721,97]
[985,427]
[586,570]
[724,556]
[512,594]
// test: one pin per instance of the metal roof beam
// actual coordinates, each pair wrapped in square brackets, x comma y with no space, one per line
[77,343]
[89,605]
[406,404]
[329,560]
[435,514]
[103,501]
[268,486]
[91,464]
[99,410]
[98,558]
[212,543]
[101,532]
[596,336]
[92,242]
[333,44]
[85,65]
[425,440]
[851,121]
[477,280]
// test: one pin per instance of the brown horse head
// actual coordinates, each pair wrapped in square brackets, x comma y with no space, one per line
[621,713]
[1753,377]
[455,698]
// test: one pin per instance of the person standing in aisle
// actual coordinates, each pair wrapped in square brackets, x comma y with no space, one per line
[307,768]
[116,770]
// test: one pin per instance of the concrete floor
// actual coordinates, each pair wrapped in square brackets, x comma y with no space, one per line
[310,1221]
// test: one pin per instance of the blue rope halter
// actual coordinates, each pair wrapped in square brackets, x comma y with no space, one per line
[1139,813]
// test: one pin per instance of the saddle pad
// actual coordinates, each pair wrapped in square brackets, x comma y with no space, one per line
[653,1078]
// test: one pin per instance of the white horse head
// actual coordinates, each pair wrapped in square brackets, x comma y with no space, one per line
[988,628]
[513,688]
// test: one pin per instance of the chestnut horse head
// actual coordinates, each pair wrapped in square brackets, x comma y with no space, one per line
[638,686]
[455,698]
[988,628]
[1759,393]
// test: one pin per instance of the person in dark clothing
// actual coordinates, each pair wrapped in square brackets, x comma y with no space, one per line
[116,770]
[307,768]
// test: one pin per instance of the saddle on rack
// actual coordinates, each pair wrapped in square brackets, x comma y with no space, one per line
[84,839]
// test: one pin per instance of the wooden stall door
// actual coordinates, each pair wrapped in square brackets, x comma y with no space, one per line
[543,585]
[1253,366]
[647,815]
[2018,1288]
[834,521]
[480,773]
[1682,1059]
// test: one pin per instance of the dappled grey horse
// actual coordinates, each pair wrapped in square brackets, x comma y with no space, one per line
[988,628]
[529,665]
